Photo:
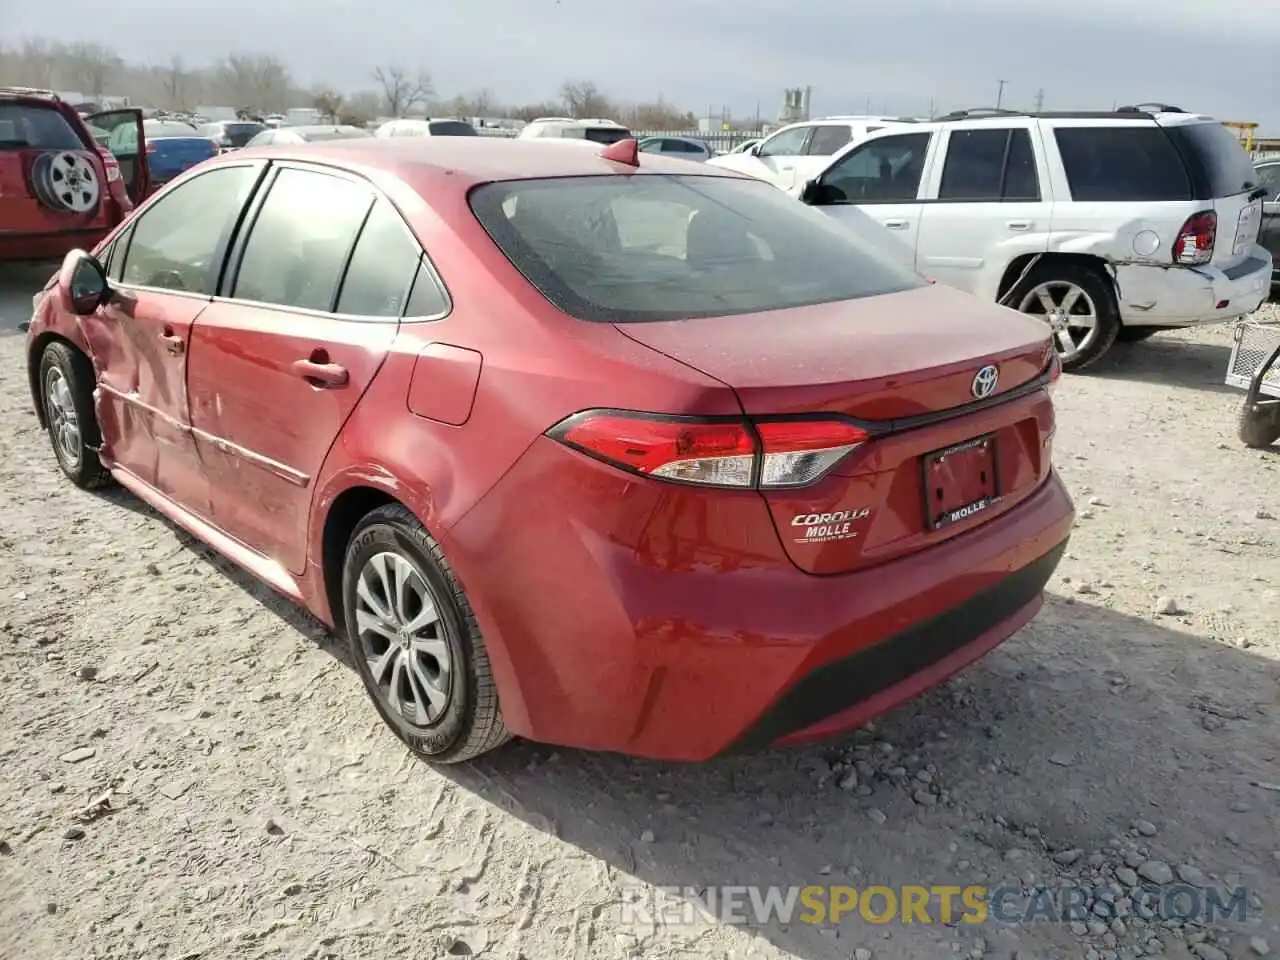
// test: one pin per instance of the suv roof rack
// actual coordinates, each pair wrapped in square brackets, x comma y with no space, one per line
[31,92]
[976,112]
[1151,108]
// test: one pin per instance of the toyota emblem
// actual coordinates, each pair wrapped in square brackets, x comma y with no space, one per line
[984,381]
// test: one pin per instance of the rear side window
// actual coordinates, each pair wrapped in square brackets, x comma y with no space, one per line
[382,267]
[26,126]
[427,299]
[827,140]
[238,134]
[452,128]
[1122,163]
[623,249]
[1219,165]
[301,239]
[992,165]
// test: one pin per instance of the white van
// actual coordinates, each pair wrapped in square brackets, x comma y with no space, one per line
[595,130]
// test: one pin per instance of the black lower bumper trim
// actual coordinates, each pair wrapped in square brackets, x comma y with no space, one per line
[837,686]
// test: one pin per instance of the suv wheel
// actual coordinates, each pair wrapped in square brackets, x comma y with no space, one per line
[1078,303]
[415,641]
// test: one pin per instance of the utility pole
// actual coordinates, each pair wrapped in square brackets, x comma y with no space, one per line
[1040,100]
[1000,93]
[933,112]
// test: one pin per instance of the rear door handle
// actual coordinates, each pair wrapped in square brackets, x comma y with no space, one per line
[321,374]
[172,342]
[896,224]
[1020,225]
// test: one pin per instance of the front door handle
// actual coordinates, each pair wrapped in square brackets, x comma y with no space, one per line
[172,342]
[896,224]
[321,374]
[1020,225]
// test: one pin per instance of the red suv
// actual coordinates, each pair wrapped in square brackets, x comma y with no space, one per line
[60,187]
[587,445]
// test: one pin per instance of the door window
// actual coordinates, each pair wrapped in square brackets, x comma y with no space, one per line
[301,240]
[382,267]
[178,241]
[879,171]
[786,143]
[989,165]
[1269,177]
[829,139]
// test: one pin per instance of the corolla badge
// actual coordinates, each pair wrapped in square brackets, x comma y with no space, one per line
[984,381]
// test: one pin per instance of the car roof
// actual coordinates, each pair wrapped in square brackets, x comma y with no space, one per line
[468,161]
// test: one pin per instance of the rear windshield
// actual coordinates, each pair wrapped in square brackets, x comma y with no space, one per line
[452,128]
[1122,163]
[599,134]
[238,134]
[625,249]
[1219,164]
[26,126]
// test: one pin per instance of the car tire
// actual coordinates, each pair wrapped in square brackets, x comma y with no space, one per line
[1258,427]
[442,666]
[1091,289]
[1136,334]
[66,395]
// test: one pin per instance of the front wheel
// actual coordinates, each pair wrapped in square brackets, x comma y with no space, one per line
[415,641]
[66,391]
[1078,303]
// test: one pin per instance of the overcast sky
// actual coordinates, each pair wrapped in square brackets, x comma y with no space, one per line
[1214,56]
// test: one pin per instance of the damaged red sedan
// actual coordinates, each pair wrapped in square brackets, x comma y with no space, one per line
[592,447]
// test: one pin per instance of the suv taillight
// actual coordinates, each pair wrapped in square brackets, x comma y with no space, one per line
[742,454]
[1196,239]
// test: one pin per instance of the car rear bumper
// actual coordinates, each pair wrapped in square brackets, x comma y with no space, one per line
[1158,295]
[656,641]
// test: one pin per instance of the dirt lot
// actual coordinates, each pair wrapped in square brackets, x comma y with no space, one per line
[258,809]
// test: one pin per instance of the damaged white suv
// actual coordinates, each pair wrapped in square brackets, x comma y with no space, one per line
[1108,225]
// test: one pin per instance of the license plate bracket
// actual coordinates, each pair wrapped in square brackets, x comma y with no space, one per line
[960,481]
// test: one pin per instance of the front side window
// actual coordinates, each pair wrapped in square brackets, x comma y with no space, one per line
[623,249]
[177,241]
[887,170]
[382,266]
[828,140]
[785,143]
[300,240]
[989,164]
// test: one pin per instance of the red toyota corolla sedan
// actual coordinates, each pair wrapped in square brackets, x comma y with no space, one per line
[593,447]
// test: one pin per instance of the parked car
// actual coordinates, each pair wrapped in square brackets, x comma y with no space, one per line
[596,131]
[746,145]
[684,148]
[60,187]
[436,127]
[1105,225]
[295,136]
[232,134]
[593,447]
[790,156]
[172,147]
[1269,236]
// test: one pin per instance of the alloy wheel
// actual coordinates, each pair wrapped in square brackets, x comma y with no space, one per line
[64,424]
[1070,312]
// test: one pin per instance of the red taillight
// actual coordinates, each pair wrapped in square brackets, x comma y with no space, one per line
[1196,239]
[718,453]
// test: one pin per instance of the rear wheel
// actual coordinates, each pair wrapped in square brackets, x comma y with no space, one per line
[415,641]
[1258,426]
[1078,303]
[66,391]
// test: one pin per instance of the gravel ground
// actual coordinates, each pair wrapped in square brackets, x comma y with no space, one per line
[189,770]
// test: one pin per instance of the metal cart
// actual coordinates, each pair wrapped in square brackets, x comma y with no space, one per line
[1255,368]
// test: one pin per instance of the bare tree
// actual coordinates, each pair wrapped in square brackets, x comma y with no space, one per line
[583,99]
[400,93]
[90,67]
[179,84]
[253,81]
[328,102]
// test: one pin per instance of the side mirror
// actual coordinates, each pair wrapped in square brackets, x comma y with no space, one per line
[813,194]
[82,281]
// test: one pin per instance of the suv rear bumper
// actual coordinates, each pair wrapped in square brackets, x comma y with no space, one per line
[1154,295]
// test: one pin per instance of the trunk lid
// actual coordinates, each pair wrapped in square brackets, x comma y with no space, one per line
[906,365]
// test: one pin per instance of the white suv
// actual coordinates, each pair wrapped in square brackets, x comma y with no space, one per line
[790,156]
[1107,225]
